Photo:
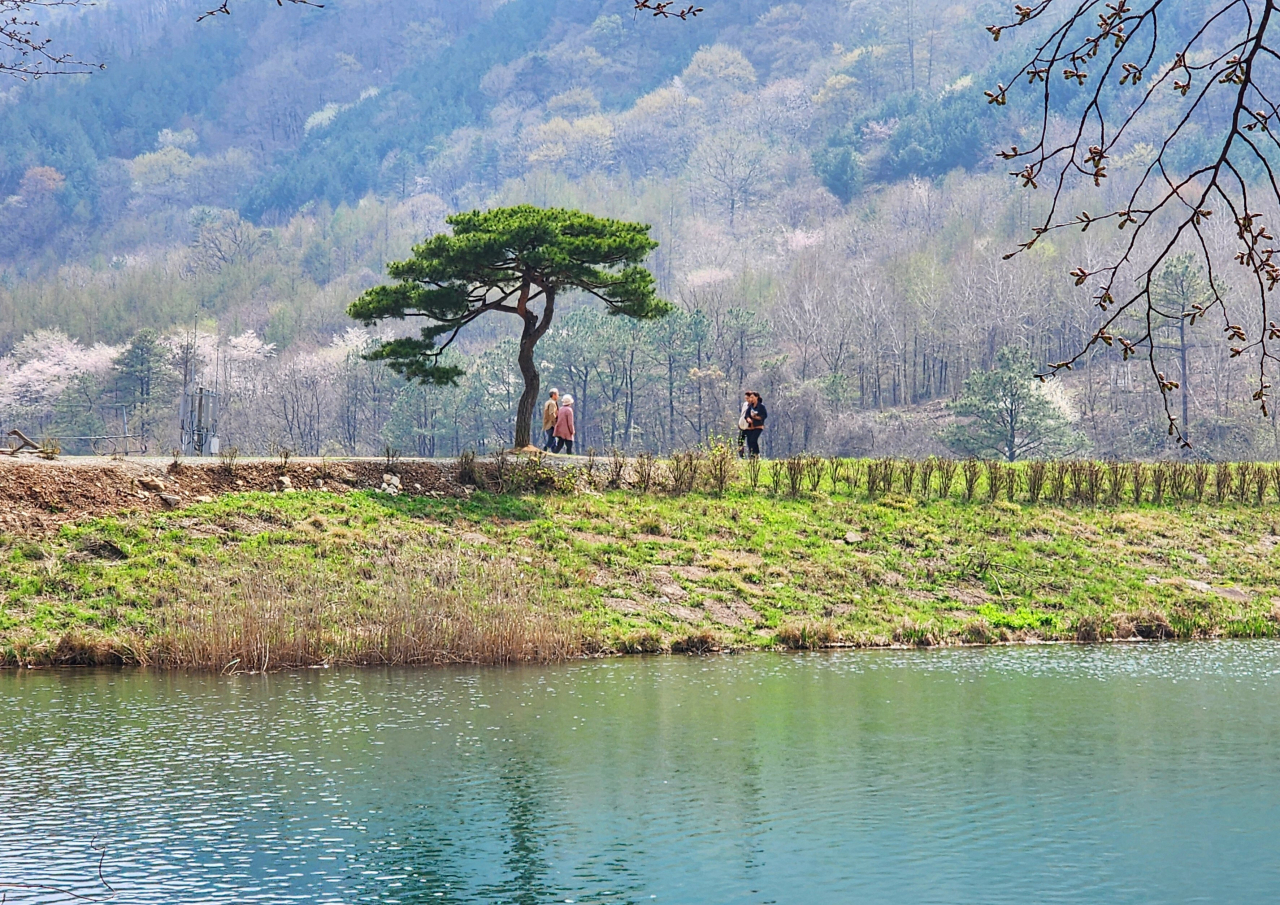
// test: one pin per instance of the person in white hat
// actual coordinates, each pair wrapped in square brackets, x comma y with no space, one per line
[564,425]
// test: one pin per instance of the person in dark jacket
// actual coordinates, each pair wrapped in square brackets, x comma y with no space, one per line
[755,416]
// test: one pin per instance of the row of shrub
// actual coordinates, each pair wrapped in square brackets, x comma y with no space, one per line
[1059,481]
[717,468]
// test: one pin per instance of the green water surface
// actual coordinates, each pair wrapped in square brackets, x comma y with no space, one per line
[1123,773]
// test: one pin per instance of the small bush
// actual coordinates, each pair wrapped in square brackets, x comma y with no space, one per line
[946,476]
[229,456]
[1179,480]
[647,471]
[1222,479]
[814,468]
[853,476]
[836,469]
[722,465]
[971,469]
[1058,481]
[995,479]
[927,468]
[1159,481]
[777,477]
[1244,481]
[1035,479]
[617,468]
[685,466]
[1199,480]
[468,472]
[795,467]
[909,475]
[1138,475]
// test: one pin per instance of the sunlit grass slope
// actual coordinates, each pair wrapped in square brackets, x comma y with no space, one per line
[264,580]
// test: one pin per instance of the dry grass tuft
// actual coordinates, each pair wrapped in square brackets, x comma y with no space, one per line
[1089,628]
[1146,624]
[642,642]
[1152,625]
[807,636]
[916,634]
[979,631]
[703,641]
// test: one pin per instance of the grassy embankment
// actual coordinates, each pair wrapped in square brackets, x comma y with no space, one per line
[259,579]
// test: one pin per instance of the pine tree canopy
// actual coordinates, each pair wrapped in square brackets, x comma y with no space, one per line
[505,260]
[1008,413]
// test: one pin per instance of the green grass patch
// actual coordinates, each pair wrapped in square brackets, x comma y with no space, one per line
[625,571]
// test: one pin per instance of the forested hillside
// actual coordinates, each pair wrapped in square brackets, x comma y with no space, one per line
[820,176]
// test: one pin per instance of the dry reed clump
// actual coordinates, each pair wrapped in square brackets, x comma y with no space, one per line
[428,606]
[807,636]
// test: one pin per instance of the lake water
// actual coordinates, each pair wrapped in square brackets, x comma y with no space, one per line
[1107,774]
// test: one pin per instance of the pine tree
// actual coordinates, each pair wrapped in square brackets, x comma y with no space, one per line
[1009,414]
[512,260]
[141,370]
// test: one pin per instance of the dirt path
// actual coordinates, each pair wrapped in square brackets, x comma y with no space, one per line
[37,496]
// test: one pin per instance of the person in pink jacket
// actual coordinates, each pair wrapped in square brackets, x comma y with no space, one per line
[564,425]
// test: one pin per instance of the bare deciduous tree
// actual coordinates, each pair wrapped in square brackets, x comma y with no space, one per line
[733,173]
[222,239]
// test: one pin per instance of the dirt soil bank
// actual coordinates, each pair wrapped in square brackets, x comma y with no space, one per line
[39,496]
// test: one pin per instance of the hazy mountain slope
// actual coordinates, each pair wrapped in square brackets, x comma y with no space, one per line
[819,175]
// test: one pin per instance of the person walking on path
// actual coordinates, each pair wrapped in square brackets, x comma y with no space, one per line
[549,412]
[756,414]
[564,425]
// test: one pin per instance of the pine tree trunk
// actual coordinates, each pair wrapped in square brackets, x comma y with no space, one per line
[529,371]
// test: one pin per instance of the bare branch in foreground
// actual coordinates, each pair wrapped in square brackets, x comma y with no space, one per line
[25,52]
[1109,64]
[664,8]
